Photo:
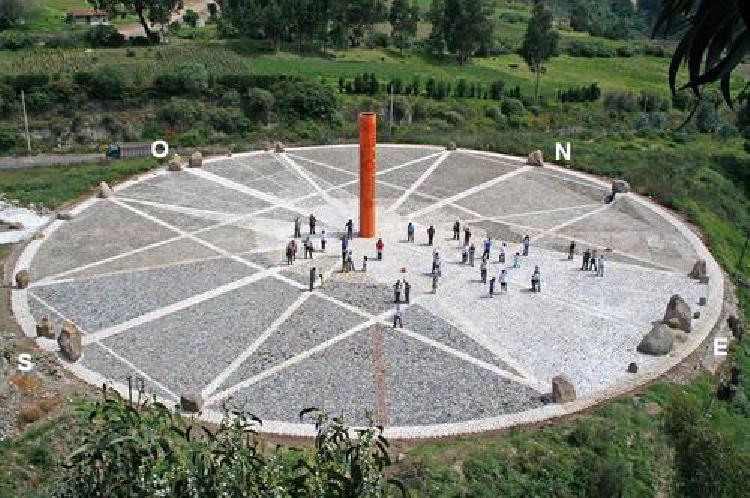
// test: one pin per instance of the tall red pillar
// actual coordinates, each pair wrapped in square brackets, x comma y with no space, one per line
[367,168]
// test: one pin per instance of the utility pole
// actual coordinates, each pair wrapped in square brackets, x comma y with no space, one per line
[26,121]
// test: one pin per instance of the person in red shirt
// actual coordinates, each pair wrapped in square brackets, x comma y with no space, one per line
[379,247]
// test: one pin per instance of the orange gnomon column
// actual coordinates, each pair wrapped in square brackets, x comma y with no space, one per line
[367,167]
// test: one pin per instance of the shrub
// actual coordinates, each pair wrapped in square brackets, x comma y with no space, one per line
[146,450]
[652,102]
[377,39]
[258,105]
[189,79]
[578,48]
[39,100]
[621,102]
[190,17]
[104,35]
[14,40]
[625,51]
[107,83]
[590,93]
[28,81]
[8,139]
[7,97]
[497,89]
[180,113]
[231,98]
[304,100]
[228,121]
[512,107]
[707,118]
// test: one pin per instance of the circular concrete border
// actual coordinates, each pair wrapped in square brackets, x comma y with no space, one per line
[21,311]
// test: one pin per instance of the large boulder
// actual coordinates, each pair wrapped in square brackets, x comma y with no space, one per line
[196,160]
[699,270]
[451,146]
[65,216]
[44,328]
[279,148]
[678,311]
[70,342]
[658,342]
[536,158]
[22,279]
[105,191]
[620,187]
[563,391]
[15,225]
[191,402]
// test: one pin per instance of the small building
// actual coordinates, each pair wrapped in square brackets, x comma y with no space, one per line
[86,16]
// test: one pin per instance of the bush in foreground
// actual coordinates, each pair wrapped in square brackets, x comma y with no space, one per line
[144,449]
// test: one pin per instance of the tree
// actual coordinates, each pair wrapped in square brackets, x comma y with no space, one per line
[462,26]
[154,11]
[540,42]
[714,40]
[11,11]
[258,104]
[190,17]
[404,20]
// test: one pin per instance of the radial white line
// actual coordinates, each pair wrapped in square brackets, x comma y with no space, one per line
[198,213]
[532,213]
[271,199]
[292,361]
[582,217]
[283,158]
[237,362]
[63,274]
[470,359]
[419,181]
[323,165]
[109,350]
[192,237]
[175,307]
[473,190]
[409,163]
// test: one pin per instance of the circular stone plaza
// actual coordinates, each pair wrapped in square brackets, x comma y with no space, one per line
[180,278]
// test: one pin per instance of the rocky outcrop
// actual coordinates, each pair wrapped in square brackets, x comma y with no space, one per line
[196,160]
[191,402]
[563,391]
[70,342]
[620,187]
[536,158]
[678,312]
[658,342]
[22,279]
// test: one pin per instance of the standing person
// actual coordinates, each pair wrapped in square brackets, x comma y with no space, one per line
[350,229]
[503,280]
[526,243]
[492,287]
[592,261]
[398,317]
[344,247]
[487,247]
[434,261]
[571,250]
[465,254]
[483,270]
[472,252]
[517,260]
[438,267]
[467,235]
[430,234]
[297,228]
[309,248]
[397,291]
[294,250]
[407,291]
[586,257]
[600,271]
[501,258]
[350,261]
[289,255]
[456,230]
[536,279]
[434,283]
[364,263]
[379,246]
[323,241]
[312,224]
[313,274]
[410,232]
